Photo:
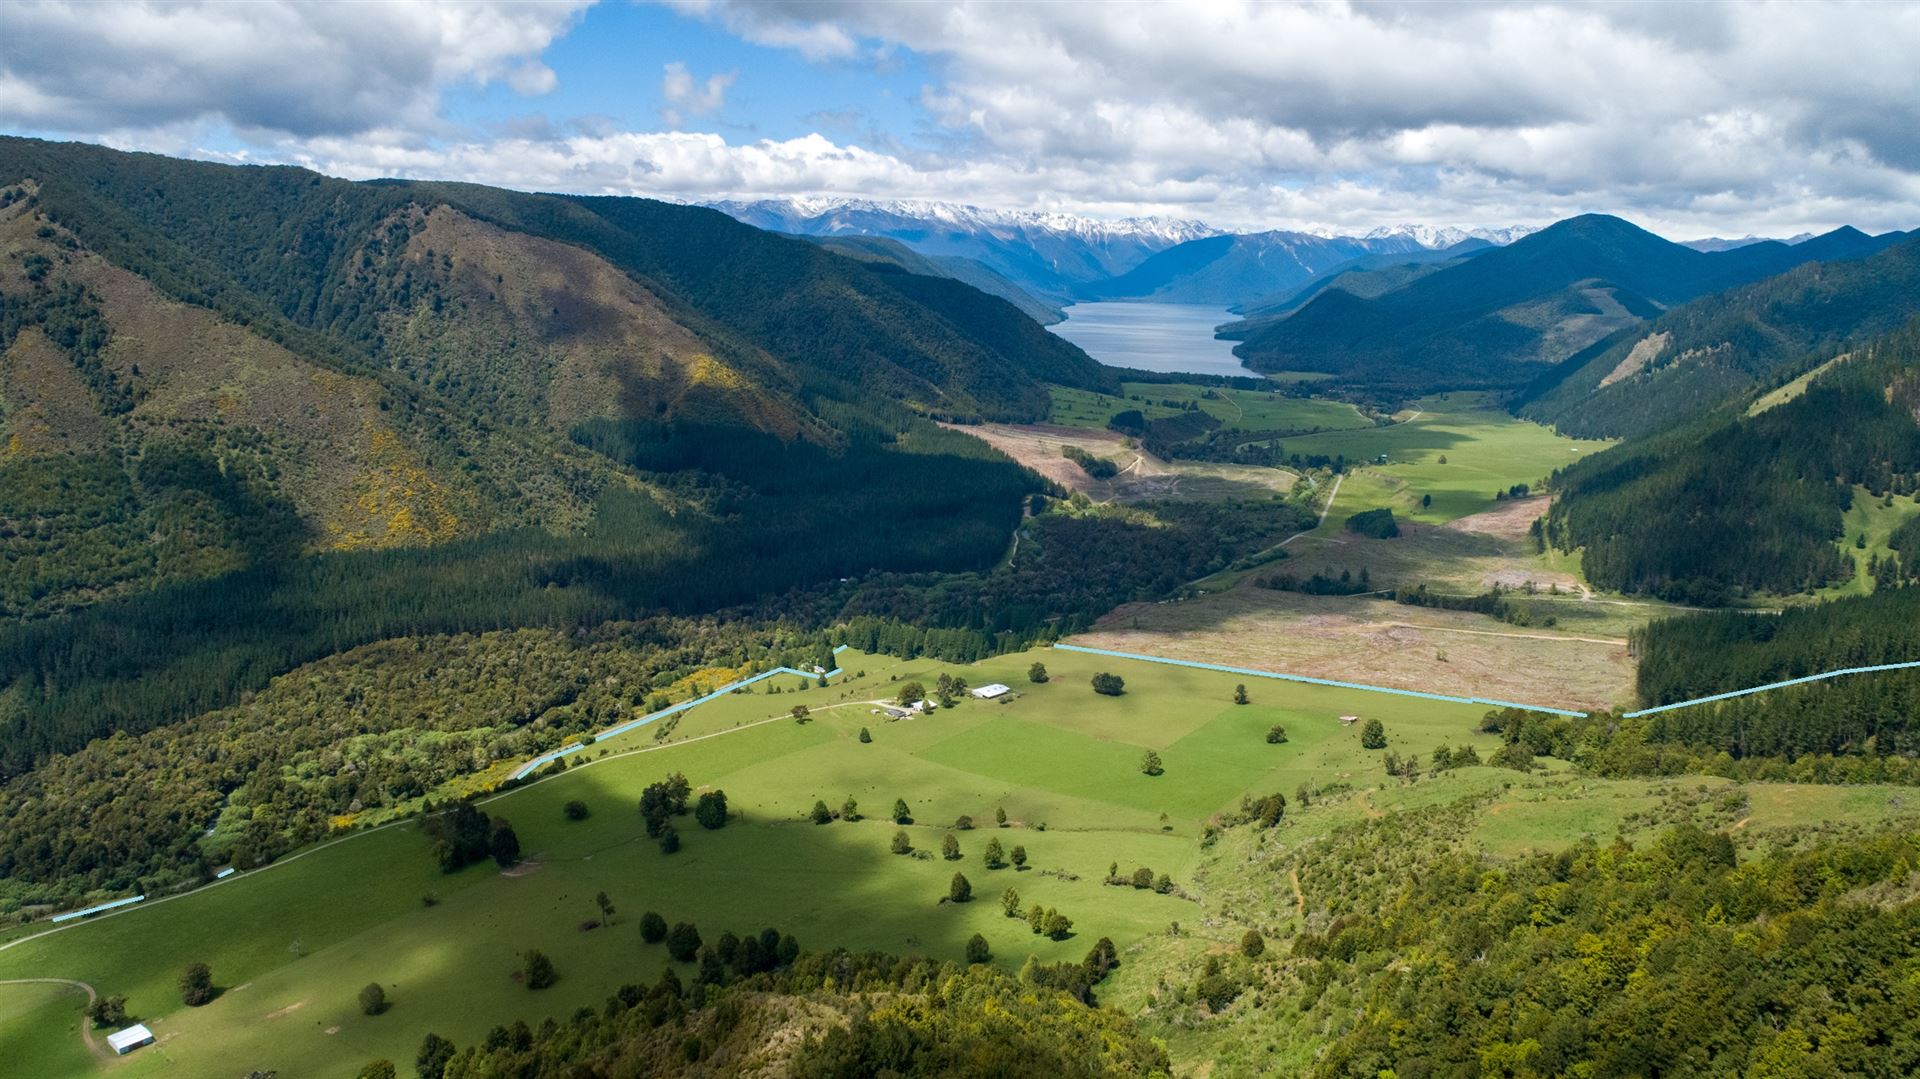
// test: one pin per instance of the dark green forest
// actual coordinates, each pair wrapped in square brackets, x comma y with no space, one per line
[1740,504]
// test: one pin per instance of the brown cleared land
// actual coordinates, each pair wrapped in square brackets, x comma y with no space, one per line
[1376,642]
[1143,477]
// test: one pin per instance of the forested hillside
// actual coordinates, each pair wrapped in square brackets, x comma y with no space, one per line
[1042,308]
[1496,319]
[1736,503]
[1721,348]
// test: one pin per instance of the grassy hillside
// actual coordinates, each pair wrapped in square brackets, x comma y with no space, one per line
[1360,869]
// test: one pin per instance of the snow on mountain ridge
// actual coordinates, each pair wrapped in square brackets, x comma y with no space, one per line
[977,218]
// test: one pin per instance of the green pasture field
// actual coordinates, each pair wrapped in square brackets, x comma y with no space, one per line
[40,1030]
[1238,410]
[1487,451]
[291,945]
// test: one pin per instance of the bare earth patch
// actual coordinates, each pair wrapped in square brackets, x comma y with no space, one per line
[1375,642]
[521,869]
[1143,477]
[286,1011]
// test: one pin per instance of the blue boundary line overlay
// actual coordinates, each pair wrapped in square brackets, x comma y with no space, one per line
[548,758]
[71,915]
[1773,685]
[1251,673]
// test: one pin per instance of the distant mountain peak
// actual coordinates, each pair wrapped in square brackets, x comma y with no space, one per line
[968,217]
[1440,237]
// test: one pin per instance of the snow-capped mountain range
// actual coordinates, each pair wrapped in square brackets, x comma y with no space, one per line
[1053,255]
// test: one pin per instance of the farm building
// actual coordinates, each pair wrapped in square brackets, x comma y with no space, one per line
[989,692]
[126,1041]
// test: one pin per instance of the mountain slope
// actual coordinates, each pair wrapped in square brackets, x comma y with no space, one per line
[1248,268]
[1491,321]
[1366,277]
[1722,347]
[965,270]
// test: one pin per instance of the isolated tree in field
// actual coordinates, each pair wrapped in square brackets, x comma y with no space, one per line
[1037,919]
[1150,763]
[995,855]
[1019,857]
[1373,735]
[1110,685]
[669,839]
[1252,944]
[949,848]
[683,942]
[432,1058]
[960,890]
[378,1069]
[866,736]
[1143,878]
[653,928]
[431,1061]
[902,842]
[1426,501]
[373,999]
[1037,673]
[196,985]
[503,844]
[849,809]
[108,1011]
[821,814]
[1240,694]
[576,810]
[901,814]
[912,693]
[711,811]
[1010,903]
[801,714]
[1000,816]
[977,949]
[963,823]
[538,969]
[1276,734]
[1057,926]
[605,903]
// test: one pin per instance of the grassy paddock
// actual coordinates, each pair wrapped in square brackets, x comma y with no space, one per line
[1242,410]
[1486,449]
[291,945]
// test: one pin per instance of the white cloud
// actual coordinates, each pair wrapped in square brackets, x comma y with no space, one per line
[265,65]
[687,96]
[1690,118]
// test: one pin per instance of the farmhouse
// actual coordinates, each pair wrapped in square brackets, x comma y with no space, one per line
[989,692]
[126,1041]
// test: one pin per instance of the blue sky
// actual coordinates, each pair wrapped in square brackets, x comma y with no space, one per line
[1693,119]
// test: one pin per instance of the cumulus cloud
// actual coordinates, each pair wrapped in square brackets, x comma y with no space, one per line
[1692,118]
[688,96]
[1675,111]
[265,65]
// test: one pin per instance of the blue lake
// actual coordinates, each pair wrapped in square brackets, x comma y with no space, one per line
[1153,336]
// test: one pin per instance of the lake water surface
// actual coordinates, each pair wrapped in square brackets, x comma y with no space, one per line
[1153,336]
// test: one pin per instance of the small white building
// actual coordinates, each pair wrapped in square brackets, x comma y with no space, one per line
[989,692]
[126,1041]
